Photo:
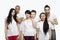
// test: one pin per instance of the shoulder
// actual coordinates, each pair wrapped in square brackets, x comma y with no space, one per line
[53,16]
[5,19]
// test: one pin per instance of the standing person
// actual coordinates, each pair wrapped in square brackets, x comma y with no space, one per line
[52,18]
[27,27]
[44,28]
[33,15]
[19,17]
[12,30]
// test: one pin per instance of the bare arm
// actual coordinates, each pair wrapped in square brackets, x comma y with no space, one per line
[19,19]
[50,33]
[6,28]
[37,32]
[54,22]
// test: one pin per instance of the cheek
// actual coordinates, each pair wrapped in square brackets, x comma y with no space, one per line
[43,17]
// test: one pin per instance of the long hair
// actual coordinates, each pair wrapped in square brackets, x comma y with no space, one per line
[9,17]
[45,24]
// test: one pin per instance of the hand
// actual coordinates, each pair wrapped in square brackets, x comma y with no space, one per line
[49,38]
[6,38]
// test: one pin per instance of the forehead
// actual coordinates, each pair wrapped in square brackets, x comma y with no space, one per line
[42,14]
[47,8]
[17,7]
[13,10]
[33,13]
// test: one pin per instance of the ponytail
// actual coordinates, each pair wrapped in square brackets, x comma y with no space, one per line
[45,26]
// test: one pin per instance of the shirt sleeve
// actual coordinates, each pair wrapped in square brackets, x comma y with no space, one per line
[54,17]
[50,25]
[20,15]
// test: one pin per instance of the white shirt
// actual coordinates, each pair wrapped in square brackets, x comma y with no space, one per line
[42,36]
[12,29]
[27,28]
[20,15]
[51,18]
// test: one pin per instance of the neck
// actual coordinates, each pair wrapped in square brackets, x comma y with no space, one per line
[42,20]
[28,18]
[48,15]
[32,18]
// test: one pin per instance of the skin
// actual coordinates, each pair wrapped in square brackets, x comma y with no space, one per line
[6,26]
[47,11]
[28,16]
[33,15]
[17,9]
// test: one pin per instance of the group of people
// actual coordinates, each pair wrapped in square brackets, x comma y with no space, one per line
[20,28]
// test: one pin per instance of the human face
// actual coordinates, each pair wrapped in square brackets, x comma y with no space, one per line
[33,14]
[13,13]
[47,10]
[27,15]
[42,17]
[17,9]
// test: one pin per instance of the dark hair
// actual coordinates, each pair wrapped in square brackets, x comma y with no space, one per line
[27,12]
[47,6]
[45,24]
[34,11]
[9,17]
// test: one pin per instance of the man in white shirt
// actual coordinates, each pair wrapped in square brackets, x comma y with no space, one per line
[33,15]
[19,17]
[52,19]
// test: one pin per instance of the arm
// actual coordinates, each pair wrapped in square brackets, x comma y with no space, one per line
[50,33]
[20,32]
[54,22]
[18,29]
[34,26]
[6,28]
[19,19]
[37,30]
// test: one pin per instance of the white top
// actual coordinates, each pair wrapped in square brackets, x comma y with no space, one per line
[42,36]
[20,15]
[51,18]
[27,28]
[12,29]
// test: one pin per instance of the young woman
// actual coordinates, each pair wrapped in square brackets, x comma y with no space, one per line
[27,27]
[11,26]
[44,27]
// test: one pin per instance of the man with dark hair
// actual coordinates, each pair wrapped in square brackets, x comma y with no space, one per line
[19,17]
[17,8]
[33,14]
[52,19]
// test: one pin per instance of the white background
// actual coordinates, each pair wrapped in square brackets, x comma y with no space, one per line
[38,5]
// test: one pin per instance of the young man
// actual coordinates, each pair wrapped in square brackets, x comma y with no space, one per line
[33,15]
[19,17]
[52,18]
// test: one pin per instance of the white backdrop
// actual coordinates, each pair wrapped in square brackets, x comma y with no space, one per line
[38,5]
